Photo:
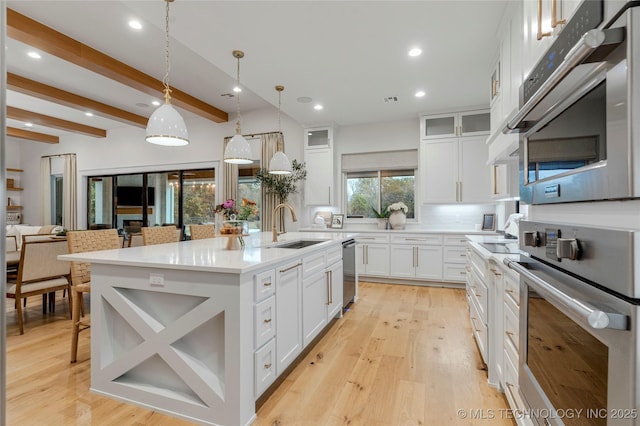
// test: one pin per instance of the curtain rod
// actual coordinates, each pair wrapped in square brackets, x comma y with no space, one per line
[57,155]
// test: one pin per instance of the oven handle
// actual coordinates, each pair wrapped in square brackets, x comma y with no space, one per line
[589,42]
[596,318]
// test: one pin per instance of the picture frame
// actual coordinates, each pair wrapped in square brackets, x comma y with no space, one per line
[488,222]
[337,221]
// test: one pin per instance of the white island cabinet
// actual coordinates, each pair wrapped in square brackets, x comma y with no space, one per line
[196,331]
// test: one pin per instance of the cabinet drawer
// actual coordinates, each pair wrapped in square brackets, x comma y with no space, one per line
[455,254]
[454,272]
[511,388]
[511,328]
[313,263]
[334,254]
[478,292]
[417,239]
[264,285]
[455,240]
[264,367]
[372,238]
[265,321]
[478,264]
[479,330]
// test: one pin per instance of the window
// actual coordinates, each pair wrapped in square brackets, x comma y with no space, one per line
[371,190]
[56,199]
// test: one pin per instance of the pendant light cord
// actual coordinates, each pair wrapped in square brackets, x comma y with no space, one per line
[279,89]
[238,131]
[165,80]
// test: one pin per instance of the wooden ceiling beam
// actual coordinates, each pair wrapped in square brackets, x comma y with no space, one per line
[42,91]
[32,136]
[35,34]
[53,122]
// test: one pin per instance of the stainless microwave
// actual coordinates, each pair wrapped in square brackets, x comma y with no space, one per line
[579,116]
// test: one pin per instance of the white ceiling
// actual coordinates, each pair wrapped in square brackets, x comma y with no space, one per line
[347,55]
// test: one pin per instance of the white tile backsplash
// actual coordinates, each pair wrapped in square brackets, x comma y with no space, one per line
[454,216]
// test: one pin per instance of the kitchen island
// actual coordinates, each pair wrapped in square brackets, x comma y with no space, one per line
[199,332]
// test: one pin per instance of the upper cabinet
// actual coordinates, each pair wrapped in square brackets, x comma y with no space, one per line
[543,21]
[504,83]
[318,157]
[452,125]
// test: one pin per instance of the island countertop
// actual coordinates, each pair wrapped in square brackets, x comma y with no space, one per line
[210,255]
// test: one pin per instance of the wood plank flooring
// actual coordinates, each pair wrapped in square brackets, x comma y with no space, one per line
[403,355]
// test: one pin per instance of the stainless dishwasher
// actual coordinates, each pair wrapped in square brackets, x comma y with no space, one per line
[349,274]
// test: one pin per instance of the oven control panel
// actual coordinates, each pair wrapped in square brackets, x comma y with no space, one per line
[594,253]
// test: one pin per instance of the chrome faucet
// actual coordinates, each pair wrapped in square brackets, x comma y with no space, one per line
[274,228]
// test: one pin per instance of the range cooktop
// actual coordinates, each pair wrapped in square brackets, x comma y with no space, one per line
[502,248]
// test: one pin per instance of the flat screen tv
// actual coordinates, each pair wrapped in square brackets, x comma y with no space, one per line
[132,196]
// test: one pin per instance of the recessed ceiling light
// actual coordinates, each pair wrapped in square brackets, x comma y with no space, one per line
[28,124]
[237,89]
[155,103]
[135,24]
[34,55]
[415,52]
[88,114]
[317,107]
[420,93]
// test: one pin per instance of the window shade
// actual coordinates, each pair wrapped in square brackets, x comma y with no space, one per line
[382,160]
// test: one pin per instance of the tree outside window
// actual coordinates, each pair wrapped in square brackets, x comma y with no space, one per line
[371,190]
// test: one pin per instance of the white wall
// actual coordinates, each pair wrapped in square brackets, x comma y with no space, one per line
[126,149]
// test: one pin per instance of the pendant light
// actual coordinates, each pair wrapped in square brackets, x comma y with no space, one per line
[238,150]
[166,126]
[279,164]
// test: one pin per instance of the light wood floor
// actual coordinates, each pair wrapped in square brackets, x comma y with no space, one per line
[403,355]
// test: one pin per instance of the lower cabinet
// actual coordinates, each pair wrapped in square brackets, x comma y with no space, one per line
[372,255]
[265,366]
[314,305]
[288,314]
[454,258]
[408,261]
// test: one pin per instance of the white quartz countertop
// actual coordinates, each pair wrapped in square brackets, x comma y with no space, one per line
[406,231]
[210,255]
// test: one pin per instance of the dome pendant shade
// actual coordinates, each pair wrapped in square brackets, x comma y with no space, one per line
[238,151]
[280,164]
[166,127]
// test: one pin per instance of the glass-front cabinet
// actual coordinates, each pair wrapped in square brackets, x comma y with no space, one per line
[451,125]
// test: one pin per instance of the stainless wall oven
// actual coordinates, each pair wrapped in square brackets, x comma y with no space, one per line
[579,298]
[577,107]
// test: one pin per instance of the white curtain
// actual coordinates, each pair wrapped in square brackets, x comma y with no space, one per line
[270,144]
[45,191]
[230,175]
[70,193]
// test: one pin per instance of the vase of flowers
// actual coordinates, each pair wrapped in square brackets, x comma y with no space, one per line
[397,215]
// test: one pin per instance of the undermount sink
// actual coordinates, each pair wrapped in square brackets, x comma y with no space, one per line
[297,244]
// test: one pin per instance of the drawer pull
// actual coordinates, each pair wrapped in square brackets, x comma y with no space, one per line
[478,295]
[463,255]
[463,241]
[290,268]
[463,272]
[510,333]
[267,320]
[267,366]
[510,385]
[508,290]
[267,284]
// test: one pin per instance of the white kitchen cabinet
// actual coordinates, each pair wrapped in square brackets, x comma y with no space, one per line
[372,255]
[318,157]
[314,305]
[265,367]
[288,314]
[334,286]
[454,258]
[455,124]
[478,297]
[454,170]
[504,178]
[416,256]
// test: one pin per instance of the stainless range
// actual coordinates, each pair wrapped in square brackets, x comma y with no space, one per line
[579,324]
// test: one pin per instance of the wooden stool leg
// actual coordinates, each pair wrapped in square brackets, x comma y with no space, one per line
[20,320]
[75,320]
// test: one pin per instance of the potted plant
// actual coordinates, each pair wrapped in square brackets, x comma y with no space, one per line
[382,217]
[397,215]
[282,185]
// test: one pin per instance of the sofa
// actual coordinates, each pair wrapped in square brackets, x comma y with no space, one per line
[20,230]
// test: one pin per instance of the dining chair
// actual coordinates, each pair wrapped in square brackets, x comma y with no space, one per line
[199,232]
[152,235]
[81,242]
[40,272]
[12,243]
[135,240]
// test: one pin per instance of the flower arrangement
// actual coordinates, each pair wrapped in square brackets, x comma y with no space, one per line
[248,210]
[227,208]
[381,214]
[398,206]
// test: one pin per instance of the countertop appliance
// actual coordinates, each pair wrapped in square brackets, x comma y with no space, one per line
[579,317]
[577,106]
[349,274]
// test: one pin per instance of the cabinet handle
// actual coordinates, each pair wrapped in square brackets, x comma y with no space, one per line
[267,284]
[416,239]
[554,15]
[510,333]
[540,34]
[463,241]
[367,255]
[478,295]
[463,273]
[328,287]
[417,258]
[267,366]
[267,320]
[329,199]
[290,268]
[460,186]
[510,291]
[496,273]
[463,255]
